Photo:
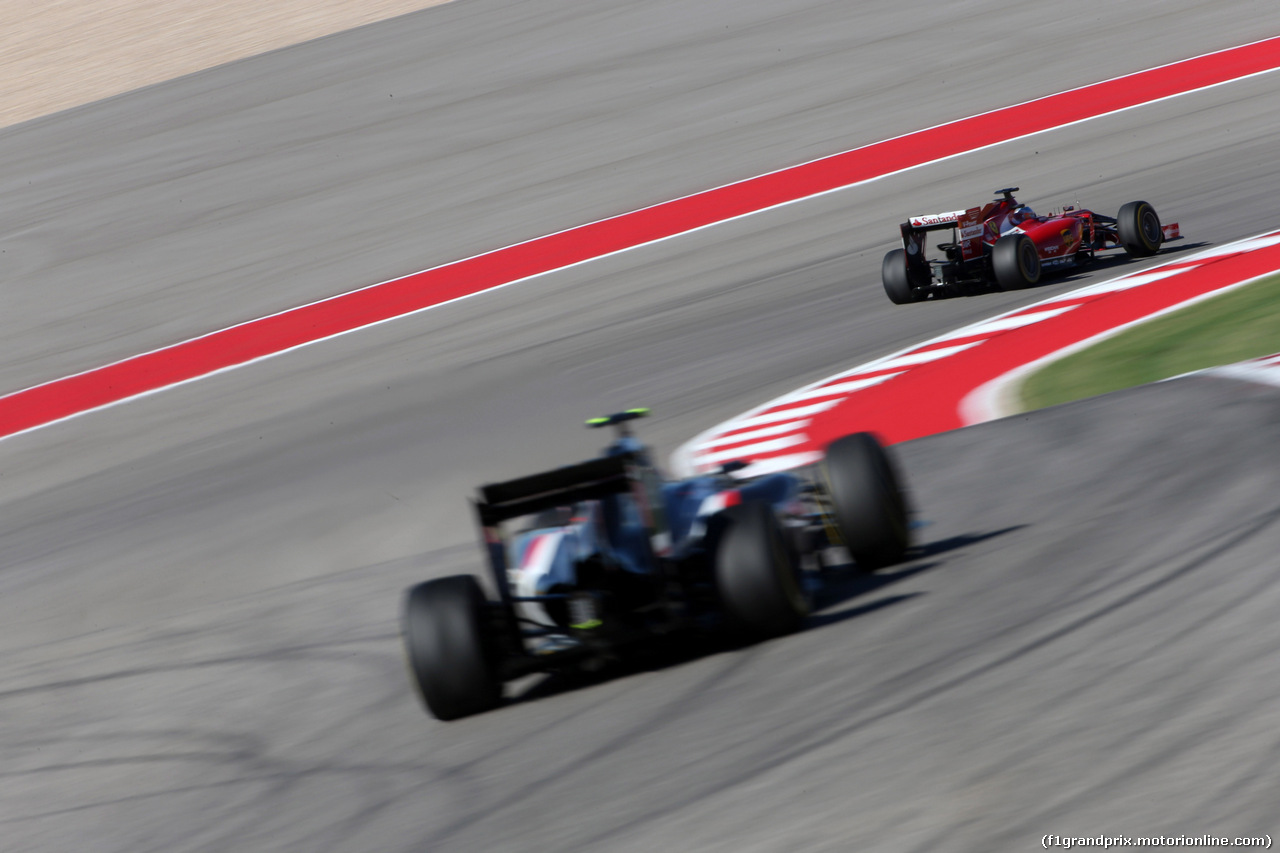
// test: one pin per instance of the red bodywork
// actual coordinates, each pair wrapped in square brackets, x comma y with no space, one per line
[1058,236]
[1062,240]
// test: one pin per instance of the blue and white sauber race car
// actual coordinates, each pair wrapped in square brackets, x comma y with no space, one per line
[595,559]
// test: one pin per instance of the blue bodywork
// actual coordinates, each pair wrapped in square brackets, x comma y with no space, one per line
[543,559]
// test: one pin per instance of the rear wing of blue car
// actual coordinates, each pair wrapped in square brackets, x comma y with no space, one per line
[595,478]
[613,476]
[561,487]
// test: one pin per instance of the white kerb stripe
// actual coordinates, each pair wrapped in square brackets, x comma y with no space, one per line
[750,435]
[1005,324]
[914,358]
[1262,373]
[1126,282]
[772,415]
[749,450]
[841,387]
[1251,245]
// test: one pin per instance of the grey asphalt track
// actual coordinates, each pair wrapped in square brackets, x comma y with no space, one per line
[199,589]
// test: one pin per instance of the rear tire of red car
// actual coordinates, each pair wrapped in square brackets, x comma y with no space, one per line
[451,657]
[756,577]
[896,278]
[869,509]
[1139,229]
[1015,262]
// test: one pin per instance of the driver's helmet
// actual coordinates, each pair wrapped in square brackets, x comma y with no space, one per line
[1016,217]
[624,444]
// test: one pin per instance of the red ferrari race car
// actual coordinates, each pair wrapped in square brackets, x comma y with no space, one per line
[1006,246]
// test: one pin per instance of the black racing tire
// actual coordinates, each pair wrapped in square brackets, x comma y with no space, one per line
[869,508]
[897,279]
[1015,262]
[452,659]
[756,575]
[1139,229]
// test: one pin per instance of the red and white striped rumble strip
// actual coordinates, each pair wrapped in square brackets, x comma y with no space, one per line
[962,377]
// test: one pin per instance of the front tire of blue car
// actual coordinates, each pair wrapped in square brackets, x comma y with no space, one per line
[867,501]
[757,579]
[452,659]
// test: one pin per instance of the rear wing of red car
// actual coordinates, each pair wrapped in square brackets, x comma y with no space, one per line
[967,225]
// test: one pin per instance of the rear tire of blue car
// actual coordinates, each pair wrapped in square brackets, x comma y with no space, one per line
[451,657]
[897,279]
[1138,227]
[868,505]
[756,577]
[1015,262]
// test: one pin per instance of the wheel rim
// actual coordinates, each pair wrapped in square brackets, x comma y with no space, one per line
[1150,227]
[1028,259]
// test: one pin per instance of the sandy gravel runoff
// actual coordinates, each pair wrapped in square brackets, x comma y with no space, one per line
[56,54]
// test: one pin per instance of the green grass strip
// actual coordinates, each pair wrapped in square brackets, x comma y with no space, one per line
[1239,325]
